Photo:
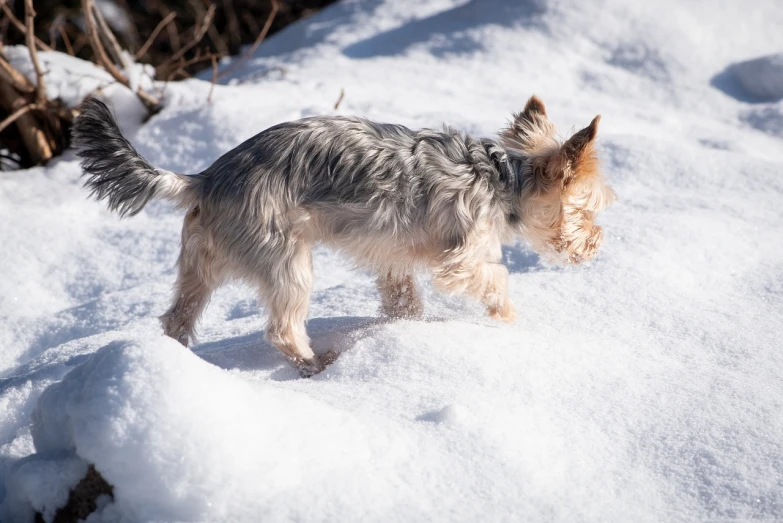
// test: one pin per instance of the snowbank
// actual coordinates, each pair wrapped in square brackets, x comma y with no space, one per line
[179,439]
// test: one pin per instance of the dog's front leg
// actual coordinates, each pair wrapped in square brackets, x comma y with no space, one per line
[285,288]
[486,281]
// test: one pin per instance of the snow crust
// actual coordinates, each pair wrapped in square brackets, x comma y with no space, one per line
[643,387]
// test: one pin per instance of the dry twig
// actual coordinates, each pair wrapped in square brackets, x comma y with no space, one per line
[19,25]
[89,10]
[260,38]
[155,32]
[339,99]
[36,142]
[198,35]
[14,77]
[106,33]
[40,86]
[18,114]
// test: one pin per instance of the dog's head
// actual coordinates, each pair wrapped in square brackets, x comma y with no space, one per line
[562,186]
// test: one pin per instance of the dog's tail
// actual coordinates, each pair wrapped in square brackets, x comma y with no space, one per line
[115,171]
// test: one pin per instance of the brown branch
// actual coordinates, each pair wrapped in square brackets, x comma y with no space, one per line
[19,25]
[88,8]
[196,59]
[14,77]
[155,32]
[17,114]
[35,140]
[40,86]
[53,28]
[339,99]
[171,29]
[108,35]
[79,42]
[66,40]
[214,36]
[199,34]
[217,40]
[95,42]
[180,70]
[259,39]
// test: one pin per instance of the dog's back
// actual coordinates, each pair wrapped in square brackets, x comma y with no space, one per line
[371,189]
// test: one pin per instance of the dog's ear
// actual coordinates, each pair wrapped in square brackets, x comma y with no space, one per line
[534,106]
[529,129]
[581,142]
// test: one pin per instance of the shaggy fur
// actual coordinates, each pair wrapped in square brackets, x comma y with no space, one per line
[392,198]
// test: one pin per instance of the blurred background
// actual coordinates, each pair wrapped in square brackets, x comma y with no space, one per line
[176,37]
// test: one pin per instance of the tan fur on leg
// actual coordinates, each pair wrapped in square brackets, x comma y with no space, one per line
[286,291]
[198,276]
[399,296]
[496,297]
[484,281]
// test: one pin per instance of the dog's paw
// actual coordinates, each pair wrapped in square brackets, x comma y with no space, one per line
[313,366]
[506,312]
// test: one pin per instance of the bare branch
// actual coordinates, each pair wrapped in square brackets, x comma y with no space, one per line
[199,34]
[40,87]
[19,25]
[97,46]
[17,114]
[14,77]
[108,35]
[171,28]
[53,27]
[88,7]
[35,140]
[66,41]
[155,32]
[339,99]
[260,38]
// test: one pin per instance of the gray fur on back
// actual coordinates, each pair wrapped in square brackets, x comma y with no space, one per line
[365,178]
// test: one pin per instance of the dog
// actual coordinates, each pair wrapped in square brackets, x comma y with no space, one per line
[395,200]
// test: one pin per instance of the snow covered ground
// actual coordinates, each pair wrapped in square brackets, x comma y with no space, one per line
[646,386]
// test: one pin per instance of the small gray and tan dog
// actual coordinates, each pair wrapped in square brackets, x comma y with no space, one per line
[391,198]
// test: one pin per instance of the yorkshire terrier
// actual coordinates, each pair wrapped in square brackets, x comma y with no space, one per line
[391,198]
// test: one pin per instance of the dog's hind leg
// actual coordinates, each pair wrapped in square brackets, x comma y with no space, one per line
[197,278]
[399,296]
[285,289]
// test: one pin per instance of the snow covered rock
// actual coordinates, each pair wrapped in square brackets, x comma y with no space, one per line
[178,438]
[762,77]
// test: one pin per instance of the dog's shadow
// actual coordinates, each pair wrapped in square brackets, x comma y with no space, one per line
[519,260]
[251,352]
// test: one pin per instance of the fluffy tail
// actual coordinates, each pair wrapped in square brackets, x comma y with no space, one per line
[115,171]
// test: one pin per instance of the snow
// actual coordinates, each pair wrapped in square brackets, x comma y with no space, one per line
[761,77]
[644,386]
